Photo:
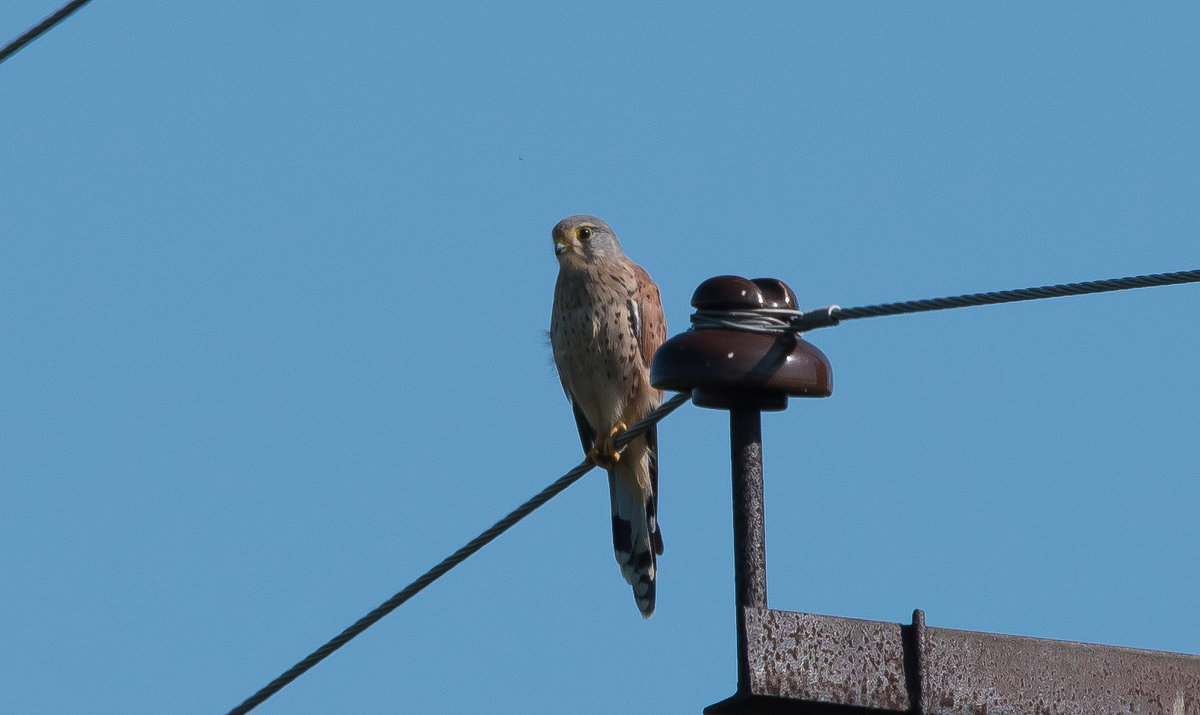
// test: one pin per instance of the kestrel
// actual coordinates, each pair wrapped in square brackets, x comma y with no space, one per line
[606,324]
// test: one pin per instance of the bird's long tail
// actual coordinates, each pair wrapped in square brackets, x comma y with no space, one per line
[636,536]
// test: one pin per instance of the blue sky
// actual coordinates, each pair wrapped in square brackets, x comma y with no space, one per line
[275,282]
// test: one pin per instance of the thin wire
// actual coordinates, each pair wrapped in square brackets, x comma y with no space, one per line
[34,32]
[759,320]
[451,561]
[1010,296]
[778,321]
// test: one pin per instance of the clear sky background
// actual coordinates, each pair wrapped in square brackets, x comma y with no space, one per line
[275,280]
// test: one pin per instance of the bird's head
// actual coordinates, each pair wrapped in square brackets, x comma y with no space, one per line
[583,239]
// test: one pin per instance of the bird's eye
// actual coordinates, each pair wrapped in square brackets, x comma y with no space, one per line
[585,233]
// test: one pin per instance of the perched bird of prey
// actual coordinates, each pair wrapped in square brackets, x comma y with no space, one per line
[606,324]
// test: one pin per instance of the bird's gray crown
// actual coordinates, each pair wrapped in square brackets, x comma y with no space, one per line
[586,235]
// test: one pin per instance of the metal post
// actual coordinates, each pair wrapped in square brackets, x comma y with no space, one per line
[749,543]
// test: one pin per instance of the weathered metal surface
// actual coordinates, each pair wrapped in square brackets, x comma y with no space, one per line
[803,663]
[833,660]
[988,674]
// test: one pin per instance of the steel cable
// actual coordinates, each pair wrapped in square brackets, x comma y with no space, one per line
[777,320]
[451,561]
[39,29]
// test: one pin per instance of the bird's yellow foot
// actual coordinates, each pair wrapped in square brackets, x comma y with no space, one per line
[605,454]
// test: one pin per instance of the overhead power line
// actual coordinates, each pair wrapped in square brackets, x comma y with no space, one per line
[451,561]
[1011,296]
[782,320]
[37,30]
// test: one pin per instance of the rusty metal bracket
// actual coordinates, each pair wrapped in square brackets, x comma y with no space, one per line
[791,662]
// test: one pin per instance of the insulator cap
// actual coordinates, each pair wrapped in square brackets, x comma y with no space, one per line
[727,367]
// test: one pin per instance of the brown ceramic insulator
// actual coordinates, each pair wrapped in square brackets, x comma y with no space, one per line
[776,293]
[726,367]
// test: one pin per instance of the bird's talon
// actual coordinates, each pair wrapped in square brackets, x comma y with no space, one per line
[605,453]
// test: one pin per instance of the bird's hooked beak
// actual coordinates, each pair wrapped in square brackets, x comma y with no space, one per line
[563,242]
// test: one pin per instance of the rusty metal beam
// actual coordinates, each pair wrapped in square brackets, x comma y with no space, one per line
[803,663]
[972,672]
